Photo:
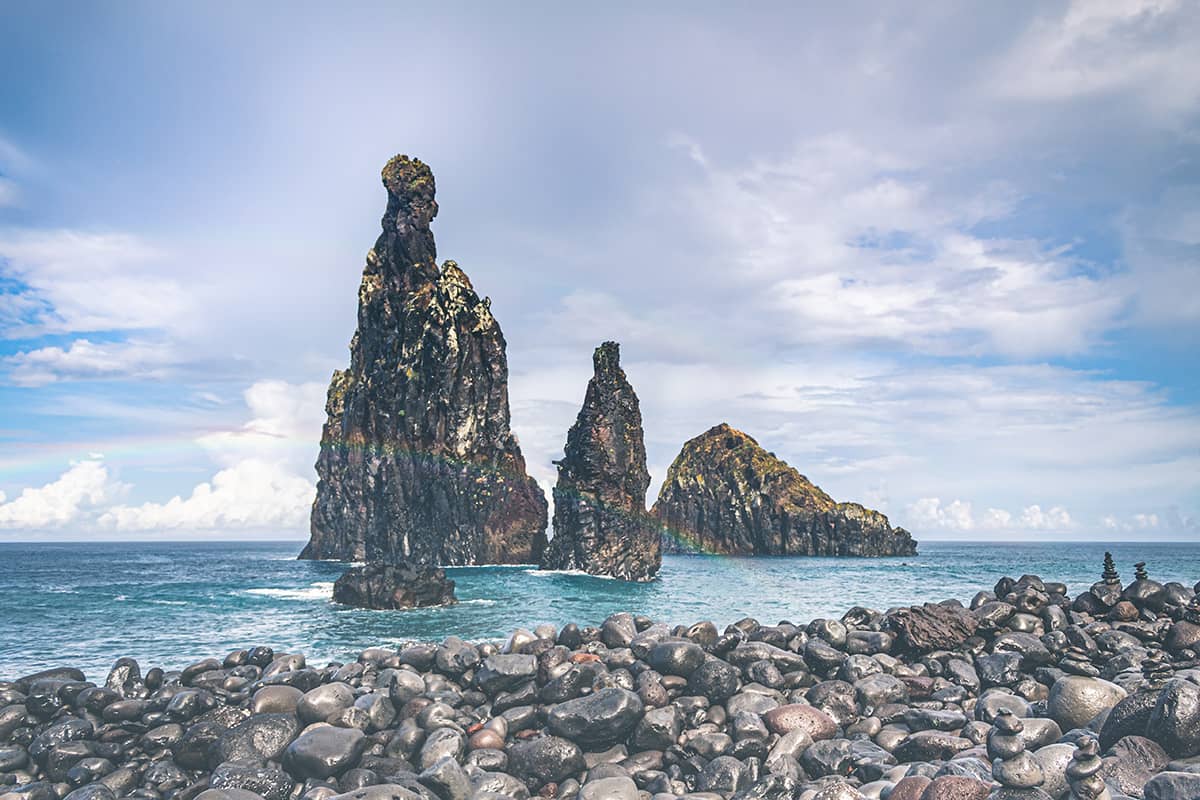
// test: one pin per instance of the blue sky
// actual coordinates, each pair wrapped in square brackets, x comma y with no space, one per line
[943,259]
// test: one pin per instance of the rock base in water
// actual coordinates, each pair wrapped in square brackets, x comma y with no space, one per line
[390,586]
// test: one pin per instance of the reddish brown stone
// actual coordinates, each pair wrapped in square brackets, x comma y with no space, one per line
[956,787]
[814,721]
[910,788]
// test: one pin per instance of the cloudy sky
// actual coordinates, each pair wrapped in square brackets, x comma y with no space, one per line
[943,259]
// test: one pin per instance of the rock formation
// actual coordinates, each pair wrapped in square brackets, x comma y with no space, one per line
[386,586]
[417,460]
[600,520]
[725,494]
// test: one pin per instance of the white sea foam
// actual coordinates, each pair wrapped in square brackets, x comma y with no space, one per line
[168,602]
[120,598]
[546,573]
[322,590]
[479,601]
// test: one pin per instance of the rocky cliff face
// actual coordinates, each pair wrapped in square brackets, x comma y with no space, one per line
[417,461]
[725,494]
[600,520]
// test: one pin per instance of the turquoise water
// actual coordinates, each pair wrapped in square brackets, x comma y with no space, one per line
[168,604]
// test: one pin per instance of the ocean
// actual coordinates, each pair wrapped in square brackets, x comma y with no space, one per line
[170,603]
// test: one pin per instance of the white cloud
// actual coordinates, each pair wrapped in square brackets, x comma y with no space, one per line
[83,487]
[263,484]
[80,282]
[252,494]
[845,244]
[1144,47]
[930,512]
[285,426]
[957,515]
[84,360]
[1055,518]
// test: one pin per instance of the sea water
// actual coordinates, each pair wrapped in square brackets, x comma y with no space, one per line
[168,604]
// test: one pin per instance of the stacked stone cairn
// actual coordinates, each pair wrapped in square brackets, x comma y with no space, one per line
[1017,771]
[1083,773]
[934,702]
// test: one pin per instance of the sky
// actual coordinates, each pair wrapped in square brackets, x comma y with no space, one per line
[943,258]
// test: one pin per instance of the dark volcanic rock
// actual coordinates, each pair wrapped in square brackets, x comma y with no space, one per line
[600,520]
[394,586]
[725,494]
[922,629]
[417,460]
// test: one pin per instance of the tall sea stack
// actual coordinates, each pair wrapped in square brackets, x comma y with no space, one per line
[417,461]
[726,494]
[600,520]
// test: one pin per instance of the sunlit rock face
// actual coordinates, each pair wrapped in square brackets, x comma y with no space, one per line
[417,460]
[726,494]
[600,520]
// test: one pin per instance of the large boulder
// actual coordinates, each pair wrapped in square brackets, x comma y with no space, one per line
[600,520]
[417,459]
[942,626]
[1075,700]
[602,718]
[389,586]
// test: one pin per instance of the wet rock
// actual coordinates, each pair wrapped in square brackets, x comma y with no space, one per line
[391,586]
[545,759]
[814,722]
[1075,700]
[602,718]
[1175,721]
[600,520]
[270,783]
[417,460]
[322,752]
[733,497]
[1172,786]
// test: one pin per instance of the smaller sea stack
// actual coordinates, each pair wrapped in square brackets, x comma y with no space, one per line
[726,494]
[391,586]
[600,520]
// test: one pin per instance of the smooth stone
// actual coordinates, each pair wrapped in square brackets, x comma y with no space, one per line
[228,794]
[504,672]
[813,721]
[1053,759]
[1175,721]
[321,752]
[1075,700]
[602,718]
[1019,772]
[322,702]
[383,791]
[616,788]
[675,658]
[658,729]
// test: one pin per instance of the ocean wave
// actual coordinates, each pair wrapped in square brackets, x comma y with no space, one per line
[322,590]
[479,601]
[547,573]
[61,590]
[168,602]
[120,598]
